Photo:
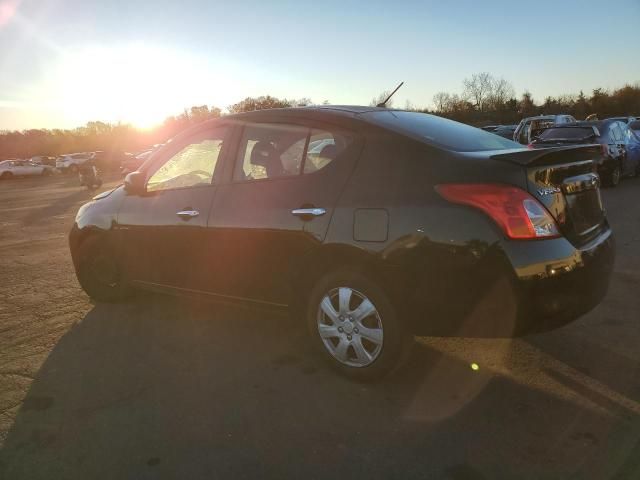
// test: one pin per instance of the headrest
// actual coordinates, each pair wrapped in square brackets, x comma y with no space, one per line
[262,153]
[329,151]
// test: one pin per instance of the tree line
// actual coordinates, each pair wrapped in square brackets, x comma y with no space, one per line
[484,99]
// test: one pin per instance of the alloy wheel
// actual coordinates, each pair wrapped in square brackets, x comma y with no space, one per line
[350,327]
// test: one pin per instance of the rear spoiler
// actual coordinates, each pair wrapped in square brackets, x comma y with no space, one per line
[552,155]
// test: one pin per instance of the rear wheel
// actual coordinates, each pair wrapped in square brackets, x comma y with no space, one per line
[99,271]
[354,325]
[6,175]
[615,175]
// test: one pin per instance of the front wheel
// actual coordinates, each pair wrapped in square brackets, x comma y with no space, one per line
[6,175]
[99,271]
[354,325]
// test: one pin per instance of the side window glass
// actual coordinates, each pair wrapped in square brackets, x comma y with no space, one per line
[617,136]
[324,148]
[192,165]
[270,151]
[524,134]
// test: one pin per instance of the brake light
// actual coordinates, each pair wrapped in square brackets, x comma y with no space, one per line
[519,215]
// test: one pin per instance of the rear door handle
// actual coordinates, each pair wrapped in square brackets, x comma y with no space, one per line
[187,214]
[308,212]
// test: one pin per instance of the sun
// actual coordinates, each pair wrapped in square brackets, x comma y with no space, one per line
[131,84]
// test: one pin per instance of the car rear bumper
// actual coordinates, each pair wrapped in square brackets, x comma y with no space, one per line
[519,288]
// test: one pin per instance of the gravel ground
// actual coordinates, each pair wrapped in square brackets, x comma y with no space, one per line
[169,388]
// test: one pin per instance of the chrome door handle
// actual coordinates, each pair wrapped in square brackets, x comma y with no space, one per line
[306,212]
[187,214]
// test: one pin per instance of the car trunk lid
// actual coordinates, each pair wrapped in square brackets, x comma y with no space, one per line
[565,181]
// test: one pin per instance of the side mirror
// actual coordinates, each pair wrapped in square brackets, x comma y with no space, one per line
[134,183]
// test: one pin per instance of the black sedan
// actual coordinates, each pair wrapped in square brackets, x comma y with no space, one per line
[369,224]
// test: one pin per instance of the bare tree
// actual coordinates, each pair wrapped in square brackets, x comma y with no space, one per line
[381,98]
[501,92]
[442,101]
[477,89]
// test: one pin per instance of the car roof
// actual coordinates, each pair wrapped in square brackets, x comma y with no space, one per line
[621,119]
[339,114]
[545,117]
[336,110]
[597,123]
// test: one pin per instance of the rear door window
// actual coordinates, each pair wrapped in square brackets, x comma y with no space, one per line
[324,148]
[270,151]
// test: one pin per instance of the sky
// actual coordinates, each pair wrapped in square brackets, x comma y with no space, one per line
[66,62]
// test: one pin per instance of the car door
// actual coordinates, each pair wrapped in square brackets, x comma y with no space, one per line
[161,231]
[632,146]
[275,206]
[33,169]
[616,132]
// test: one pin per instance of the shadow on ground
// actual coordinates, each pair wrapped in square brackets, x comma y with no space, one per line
[165,388]
[58,207]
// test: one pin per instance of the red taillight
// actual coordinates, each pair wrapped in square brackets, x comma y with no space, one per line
[518,214]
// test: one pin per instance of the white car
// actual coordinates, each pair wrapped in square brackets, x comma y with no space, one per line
[19,168]
[72,162]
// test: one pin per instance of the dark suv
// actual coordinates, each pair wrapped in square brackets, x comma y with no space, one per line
[370,224]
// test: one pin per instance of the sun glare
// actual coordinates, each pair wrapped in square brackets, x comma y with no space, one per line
[133,84]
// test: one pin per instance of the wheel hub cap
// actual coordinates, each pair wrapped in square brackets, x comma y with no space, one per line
[350,327]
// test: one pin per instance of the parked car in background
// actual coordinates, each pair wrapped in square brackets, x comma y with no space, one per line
[44,160]
[22,168]
[529,128]
[627,120]
[71,162]
[133,163]
[110,161]
[620,146]
[505,131]
[409,224]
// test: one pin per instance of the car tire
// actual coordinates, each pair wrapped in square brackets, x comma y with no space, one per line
[73,169]
[6,175]
[337,307]
[99,272]
[614,176]
[45,172]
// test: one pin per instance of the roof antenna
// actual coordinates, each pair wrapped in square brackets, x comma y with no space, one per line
[384,104]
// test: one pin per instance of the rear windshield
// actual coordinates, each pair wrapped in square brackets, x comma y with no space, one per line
[440,131]
[567,134]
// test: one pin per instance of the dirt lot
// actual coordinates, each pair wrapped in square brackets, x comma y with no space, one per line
[165,388]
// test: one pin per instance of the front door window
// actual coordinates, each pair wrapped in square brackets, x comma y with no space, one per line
[193,165]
